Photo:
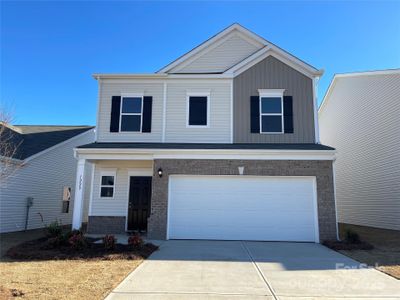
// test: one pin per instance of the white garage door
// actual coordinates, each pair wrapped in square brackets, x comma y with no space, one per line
[242,208]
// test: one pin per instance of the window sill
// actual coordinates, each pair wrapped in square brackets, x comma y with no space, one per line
[274,133]
[197,126]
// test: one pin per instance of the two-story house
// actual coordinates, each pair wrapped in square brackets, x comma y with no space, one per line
[222,143]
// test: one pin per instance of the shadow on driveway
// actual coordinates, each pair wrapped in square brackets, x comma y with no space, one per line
[252,270]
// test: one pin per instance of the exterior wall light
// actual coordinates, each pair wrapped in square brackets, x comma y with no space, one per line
[160,172]
[241,170]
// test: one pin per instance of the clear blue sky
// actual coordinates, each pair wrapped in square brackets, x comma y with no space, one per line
[50,49]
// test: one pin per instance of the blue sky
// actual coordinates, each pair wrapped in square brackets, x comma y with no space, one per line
[50,49]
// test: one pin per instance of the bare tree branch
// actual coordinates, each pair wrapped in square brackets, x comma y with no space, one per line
[9,143]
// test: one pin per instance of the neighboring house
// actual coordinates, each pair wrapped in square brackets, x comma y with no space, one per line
[222,143]
[360,117]
[43,169]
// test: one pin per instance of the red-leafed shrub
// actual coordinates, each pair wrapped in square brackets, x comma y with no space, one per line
[77,241]
[109,242]
[136,241]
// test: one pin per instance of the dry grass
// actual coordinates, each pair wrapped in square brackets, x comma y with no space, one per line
[34,270]
[386,253]
[63,279]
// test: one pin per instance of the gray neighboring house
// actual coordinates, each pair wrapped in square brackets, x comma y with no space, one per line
[45,170]
[360,117]
[222,143]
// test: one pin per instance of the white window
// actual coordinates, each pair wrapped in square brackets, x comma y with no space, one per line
[131,117]
[271,111]
[198,110]
[107,184]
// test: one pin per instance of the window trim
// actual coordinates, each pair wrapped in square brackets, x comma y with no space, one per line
[197,94]
[108,173]
[271,93]
[130,95]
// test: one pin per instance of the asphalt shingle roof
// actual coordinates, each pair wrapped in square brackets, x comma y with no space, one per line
[32,139]
[205,146]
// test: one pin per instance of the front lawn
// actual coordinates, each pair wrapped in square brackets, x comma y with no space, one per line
[68,266]
[63,279]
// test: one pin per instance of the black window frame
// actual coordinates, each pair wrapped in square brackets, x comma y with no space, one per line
[207,110]
[122,114]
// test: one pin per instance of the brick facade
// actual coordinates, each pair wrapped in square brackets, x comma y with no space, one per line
[322,170]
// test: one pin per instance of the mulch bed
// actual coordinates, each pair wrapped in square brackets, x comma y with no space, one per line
[39,250]
[343,245]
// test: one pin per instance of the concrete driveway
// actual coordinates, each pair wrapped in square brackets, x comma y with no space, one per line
[253,270]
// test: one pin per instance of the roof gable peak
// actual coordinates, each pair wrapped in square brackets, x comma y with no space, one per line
[212,43]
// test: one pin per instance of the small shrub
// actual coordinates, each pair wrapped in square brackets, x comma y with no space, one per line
[74,232]
[136,241]
[77,241]
[54,229]
[352,237]
[109,242]
[55,242]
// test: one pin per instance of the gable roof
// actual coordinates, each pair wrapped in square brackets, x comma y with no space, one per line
[225,55]
[233,50]
[353,75]
[32,139]
[235,30]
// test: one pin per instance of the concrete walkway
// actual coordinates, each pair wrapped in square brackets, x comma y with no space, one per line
[253,270]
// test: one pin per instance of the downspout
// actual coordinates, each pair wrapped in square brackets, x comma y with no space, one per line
[98,108]
[315,81]
[164,117]
[334,196]
[231,112]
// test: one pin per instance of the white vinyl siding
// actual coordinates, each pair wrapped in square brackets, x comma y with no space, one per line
[43,178]
[360,118]
[242,208]
[219,119]
[118,205]
[118,87]
[231,51]
[219,123]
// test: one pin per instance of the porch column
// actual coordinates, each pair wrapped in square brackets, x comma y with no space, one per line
[79,193]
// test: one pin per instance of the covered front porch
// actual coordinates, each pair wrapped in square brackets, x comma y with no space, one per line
[120,195]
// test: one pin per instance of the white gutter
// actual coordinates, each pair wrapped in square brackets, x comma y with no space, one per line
[250,154]
[136,76]
[162,76]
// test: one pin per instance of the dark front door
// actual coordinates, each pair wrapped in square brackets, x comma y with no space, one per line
[139,203]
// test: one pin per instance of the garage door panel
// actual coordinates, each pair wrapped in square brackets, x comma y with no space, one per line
[241,207]
[247,218]
[214,233]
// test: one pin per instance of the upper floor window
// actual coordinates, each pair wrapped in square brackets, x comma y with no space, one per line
[198,109]
[271,111]
[131,113]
